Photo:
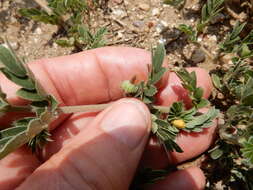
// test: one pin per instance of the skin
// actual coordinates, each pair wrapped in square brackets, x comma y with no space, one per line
[102,150]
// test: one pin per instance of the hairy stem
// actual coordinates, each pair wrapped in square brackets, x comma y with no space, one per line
[99,107]
[19,109]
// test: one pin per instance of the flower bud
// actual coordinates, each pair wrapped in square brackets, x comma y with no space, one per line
[178,123]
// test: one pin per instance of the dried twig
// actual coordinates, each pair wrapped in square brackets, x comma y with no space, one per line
[43,4]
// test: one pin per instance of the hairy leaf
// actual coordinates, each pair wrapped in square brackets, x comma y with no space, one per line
[10,61]
[247,150]
[24,82]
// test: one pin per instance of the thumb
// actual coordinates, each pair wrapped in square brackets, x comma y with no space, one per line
[104,155]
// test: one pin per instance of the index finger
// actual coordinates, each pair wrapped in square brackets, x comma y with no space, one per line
[89,77]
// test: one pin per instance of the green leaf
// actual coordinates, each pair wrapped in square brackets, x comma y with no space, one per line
[3,141]
[232,39]
[217,153]
[176,111]
[245,52]
[9,132]
[167,137]
[29,95]
[24,82]
[247,150]
[198,93]
[157,58]
[65,43]
[10,61]
[188,79]
[189,31]
[39,15]
[209,12]
[156,77]
[203,120]
[216,81]
[247,93]
[150,91]
[53,103]
[13,143]
[202,103]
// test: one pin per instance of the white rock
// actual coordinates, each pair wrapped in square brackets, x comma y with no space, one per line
[155,12]
[118,12]
[164,23]
[213,38]
[38,31]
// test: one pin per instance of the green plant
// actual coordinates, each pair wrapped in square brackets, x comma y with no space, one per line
[209,11]
[233,151]
[166,127]
[235,44]
[167,121]
[70,16]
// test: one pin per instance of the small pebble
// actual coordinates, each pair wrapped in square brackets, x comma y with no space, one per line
[213,38]
[119,35]
[118,12]
[162,41]
[164,23]
[138,23]
[55,45]
[218,18]
[155,12]
[151,24]
[38,31]
[160,27]
[198,56]
[144,6]
[118,1]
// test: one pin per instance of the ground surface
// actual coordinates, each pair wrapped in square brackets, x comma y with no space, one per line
[136,23]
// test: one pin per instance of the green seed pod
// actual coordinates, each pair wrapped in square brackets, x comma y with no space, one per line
[128,87]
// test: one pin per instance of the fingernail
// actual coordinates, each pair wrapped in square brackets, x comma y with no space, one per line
[127,122]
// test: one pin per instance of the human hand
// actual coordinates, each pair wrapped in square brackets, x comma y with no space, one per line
[101,150]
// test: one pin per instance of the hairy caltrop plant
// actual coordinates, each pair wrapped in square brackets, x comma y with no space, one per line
[33,131]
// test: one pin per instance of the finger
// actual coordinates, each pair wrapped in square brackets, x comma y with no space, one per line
[88,77]
[103,156]
[187,179]
[16,167]
[62,135]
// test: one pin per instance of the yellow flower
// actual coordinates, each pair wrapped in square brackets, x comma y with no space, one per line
[178,123]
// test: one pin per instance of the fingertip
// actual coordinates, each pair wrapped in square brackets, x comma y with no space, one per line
[188,179]
[193,144]
[128,122]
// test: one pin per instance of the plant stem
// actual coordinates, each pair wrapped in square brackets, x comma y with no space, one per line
[84,108]
[99,107]
[19,109]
